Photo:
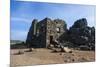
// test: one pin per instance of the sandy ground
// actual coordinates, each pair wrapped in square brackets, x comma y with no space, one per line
[46,56]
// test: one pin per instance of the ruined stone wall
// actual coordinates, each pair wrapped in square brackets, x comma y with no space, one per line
[31,38]
[42,32]
[55,28]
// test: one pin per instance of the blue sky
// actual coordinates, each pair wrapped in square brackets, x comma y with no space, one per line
[22,14]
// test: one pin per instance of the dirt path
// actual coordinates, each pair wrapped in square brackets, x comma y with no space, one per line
[46,56]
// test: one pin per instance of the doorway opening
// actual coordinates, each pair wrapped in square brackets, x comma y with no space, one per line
[51,39]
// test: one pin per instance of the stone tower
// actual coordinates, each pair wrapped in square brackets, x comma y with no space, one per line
[42,33]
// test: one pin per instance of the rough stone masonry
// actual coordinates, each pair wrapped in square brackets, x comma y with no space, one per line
[45,32]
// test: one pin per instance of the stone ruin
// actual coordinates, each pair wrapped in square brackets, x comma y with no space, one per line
[45,32]
[49,32]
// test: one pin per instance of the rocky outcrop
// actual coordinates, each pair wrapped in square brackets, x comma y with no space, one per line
[82,35]
[45,33]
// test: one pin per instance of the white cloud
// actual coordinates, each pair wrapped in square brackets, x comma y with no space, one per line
[25,20]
